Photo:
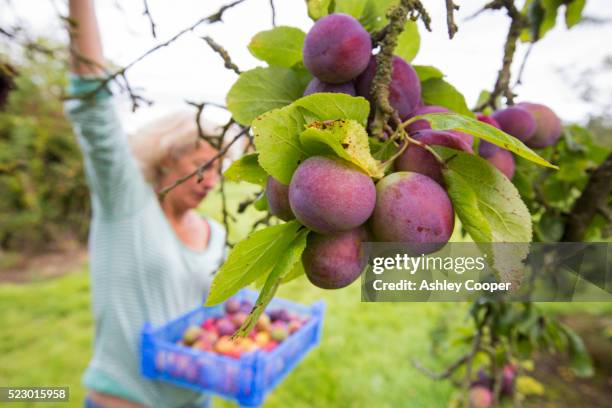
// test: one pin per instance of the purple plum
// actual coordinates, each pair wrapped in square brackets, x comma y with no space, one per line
[318,86]
[480,397]
[487,149]
[246,306]
[337,48]
[279,314]
[232,306]
[329,195]
[225,327]
[516,122]
[423,124]
[404,91]
[548,125]
[504,161]
[277,194]
[335,261]
[412,208]
[419,160]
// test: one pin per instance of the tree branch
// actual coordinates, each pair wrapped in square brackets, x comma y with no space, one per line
[273,9]
[502,84]
[594,197]
[147,13]
[198,172]
[229,64]
[211,19]
[450,18]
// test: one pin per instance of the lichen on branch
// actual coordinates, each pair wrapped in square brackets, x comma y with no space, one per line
[517,24]
[387,40]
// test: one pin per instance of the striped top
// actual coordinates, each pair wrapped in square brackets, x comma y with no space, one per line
[140,270]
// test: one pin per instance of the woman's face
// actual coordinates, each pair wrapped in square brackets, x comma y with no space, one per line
[190,193]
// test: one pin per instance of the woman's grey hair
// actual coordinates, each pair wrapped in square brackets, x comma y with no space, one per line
[168,136]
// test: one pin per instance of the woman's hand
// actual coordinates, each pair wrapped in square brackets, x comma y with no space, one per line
[86,53]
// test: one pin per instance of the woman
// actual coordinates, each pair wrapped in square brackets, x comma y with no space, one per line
[149,261]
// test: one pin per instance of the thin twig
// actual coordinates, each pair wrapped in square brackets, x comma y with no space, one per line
[493,5]
[147,13]
[519,77]
[502,84]
[211,19]
[199,171]
[450,18]
[273,9]
[216,47]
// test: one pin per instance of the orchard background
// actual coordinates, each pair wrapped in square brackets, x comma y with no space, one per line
[47,323]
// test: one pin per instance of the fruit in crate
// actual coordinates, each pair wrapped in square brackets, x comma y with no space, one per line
[232,306]
[191,335]
[214,334]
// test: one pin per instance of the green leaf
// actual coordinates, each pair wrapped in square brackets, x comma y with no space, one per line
[436,91]
[262,89]
[277,141]
[280,46]
[573,12]
[542,18]
[481,130]
[550,227]
[551,7]
[527,385]
[247,169]
[353,8]
[256,255]
[332,106]
[580,360]
[426,72]
[382,151]
[277,132]
[489,206]
[296,272]
[374,16]
[318,8]
[409,41]
[262,203]
[490,209]
[347,139]
[286,264]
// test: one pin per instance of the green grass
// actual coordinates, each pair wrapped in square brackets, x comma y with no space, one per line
[363,361]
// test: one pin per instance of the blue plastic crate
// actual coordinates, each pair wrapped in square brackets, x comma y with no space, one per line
[246,380]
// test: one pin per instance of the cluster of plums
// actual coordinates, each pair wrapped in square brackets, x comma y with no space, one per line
[214,334]
[341,204]
[481,390]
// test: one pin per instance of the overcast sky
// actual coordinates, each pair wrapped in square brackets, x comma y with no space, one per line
[188,69]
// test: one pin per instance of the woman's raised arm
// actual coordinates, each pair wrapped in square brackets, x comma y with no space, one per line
[115,181]
[87,57]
